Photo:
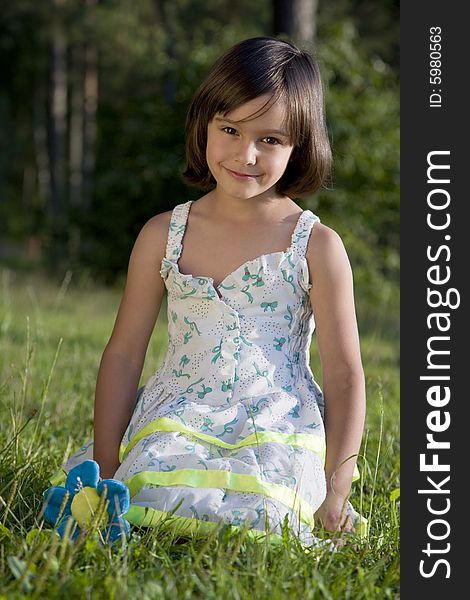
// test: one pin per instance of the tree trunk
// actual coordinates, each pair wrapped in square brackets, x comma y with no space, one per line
[296,19]
[91,105]
[58,118]
[169,82]
[41,154]
[89,129]
[76,142]
[76,126]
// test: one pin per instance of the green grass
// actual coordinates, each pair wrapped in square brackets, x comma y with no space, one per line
[52,337]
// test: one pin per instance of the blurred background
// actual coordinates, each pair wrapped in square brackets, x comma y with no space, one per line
[93,96]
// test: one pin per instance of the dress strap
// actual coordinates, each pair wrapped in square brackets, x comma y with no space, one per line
[302,232]
[179,219]
[177,227]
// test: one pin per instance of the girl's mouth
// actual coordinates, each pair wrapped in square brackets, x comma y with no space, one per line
[242,176]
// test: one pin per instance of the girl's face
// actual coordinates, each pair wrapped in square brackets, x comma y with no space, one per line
[248,158]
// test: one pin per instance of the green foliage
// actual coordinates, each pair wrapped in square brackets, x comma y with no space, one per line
[363,120]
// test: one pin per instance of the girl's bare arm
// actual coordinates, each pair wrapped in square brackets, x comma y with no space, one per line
[123,358]
[332,300]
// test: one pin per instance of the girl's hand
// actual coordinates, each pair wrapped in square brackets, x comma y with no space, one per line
[332,514]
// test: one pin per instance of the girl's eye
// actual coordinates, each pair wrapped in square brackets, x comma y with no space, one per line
[229,130]
[271,141]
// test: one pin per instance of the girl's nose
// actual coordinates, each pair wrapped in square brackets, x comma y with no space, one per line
[246,153]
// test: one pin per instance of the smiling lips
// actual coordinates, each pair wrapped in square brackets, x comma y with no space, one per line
[242,176]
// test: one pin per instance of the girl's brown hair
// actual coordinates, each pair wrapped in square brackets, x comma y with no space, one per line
[253,68]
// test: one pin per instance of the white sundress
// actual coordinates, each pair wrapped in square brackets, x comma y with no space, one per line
[230,427]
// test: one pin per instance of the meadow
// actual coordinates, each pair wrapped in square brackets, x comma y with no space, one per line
[52,335]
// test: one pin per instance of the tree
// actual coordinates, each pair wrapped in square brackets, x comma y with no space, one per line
[296,19]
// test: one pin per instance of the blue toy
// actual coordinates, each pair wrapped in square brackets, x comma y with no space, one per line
[86,499]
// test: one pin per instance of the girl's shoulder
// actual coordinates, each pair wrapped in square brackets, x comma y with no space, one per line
[152,238]
[159,222]
[326,254]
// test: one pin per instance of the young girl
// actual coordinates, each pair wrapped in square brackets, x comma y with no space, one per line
[232,426]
